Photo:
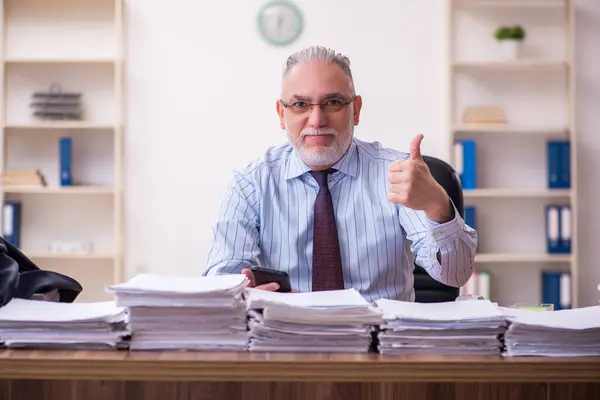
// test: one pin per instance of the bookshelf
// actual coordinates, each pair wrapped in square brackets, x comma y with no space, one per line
[77,46]
[536,93]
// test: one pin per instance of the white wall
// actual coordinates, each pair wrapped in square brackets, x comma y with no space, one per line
[588,119]
[202,89]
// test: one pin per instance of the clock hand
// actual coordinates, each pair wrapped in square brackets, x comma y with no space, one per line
[279,23]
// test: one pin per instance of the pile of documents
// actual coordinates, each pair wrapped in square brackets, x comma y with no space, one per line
[458,327]
[185,313]
[51,325]
[559,333]
[326,321]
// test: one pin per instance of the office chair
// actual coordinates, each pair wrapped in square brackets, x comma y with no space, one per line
[427,289]
[21,278]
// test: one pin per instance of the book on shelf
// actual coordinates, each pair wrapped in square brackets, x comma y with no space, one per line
[484,115]
[23,177]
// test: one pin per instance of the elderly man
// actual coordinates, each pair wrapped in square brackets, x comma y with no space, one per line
[333,211]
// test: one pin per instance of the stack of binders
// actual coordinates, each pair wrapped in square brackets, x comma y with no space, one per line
[55,104]
[457,327]
[558,229]
[556,289]
[337,321]
[479,284]
[185,313]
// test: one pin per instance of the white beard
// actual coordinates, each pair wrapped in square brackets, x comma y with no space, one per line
[323,156]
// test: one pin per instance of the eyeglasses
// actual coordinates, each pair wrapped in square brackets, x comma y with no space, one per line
[329,106]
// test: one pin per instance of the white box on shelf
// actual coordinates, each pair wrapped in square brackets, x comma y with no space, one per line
[71,247]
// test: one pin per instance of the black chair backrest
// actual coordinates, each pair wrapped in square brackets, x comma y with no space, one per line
[427,289]
[21,278]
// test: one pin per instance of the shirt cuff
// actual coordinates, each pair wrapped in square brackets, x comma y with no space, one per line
[446,230]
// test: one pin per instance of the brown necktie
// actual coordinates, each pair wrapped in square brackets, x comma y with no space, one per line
[326,262]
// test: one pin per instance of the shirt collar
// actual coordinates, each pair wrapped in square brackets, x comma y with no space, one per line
[348,164]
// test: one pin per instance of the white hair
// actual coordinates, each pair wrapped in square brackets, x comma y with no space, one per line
[319,53]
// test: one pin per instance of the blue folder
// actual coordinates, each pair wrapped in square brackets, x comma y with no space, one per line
[11,223]
[65,153]
[556,289]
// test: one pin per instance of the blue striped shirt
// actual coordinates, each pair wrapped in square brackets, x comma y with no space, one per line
[266,219]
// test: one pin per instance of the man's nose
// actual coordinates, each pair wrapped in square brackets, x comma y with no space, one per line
[317,117]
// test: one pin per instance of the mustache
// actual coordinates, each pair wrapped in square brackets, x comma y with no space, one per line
[318,132]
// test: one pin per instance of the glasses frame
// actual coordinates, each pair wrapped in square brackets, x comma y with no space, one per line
[321,105]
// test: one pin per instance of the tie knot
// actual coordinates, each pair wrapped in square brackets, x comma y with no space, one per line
[321,176]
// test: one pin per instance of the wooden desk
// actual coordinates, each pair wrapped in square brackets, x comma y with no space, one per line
[122,375]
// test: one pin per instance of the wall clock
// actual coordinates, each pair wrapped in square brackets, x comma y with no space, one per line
[279,22]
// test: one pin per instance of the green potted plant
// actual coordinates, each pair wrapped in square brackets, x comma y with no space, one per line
[511,39]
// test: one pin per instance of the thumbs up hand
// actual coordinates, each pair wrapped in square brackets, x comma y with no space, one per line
[413,186]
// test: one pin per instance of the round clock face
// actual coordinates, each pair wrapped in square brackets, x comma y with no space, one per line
[279,22]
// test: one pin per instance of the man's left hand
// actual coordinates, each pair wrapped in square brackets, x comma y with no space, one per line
[413,186]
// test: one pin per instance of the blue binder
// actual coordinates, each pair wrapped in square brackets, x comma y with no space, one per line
[11,223]
[65,172]
[471,216]
[559,164]
[565,165]
[553,244]
[466,154]
[565,229]
[556,289]
[553,157]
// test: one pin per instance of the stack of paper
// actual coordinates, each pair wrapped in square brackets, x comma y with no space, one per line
[185,313]
[50,325]
[458,327]
[325,321]
[573,332]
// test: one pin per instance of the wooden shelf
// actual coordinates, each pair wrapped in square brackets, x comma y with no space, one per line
[512,4]
[59,256]
[61,60]
[523,64]
[522,258]
[508,129]
[78,47]
[535,90]
[60,125]
[518,193]
[59,190]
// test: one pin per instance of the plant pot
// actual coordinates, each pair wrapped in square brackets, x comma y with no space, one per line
[511,49]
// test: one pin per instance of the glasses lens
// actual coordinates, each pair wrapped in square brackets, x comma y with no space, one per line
[299,107]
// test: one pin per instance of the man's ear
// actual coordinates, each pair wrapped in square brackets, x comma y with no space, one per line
[279,108]
[357,104]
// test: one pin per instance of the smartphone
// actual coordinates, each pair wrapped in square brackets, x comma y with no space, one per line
[267,275]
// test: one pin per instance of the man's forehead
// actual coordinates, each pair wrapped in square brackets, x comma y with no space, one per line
[331,95]
[316,79]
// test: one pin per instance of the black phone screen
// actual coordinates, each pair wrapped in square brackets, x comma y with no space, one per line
[267,275]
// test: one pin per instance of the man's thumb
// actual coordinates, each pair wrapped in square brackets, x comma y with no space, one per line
[415,147]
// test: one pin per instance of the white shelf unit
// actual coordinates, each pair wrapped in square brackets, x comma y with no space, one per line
[80,46]
[537,93]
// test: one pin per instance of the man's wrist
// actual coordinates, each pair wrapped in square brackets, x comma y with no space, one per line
[442,211]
